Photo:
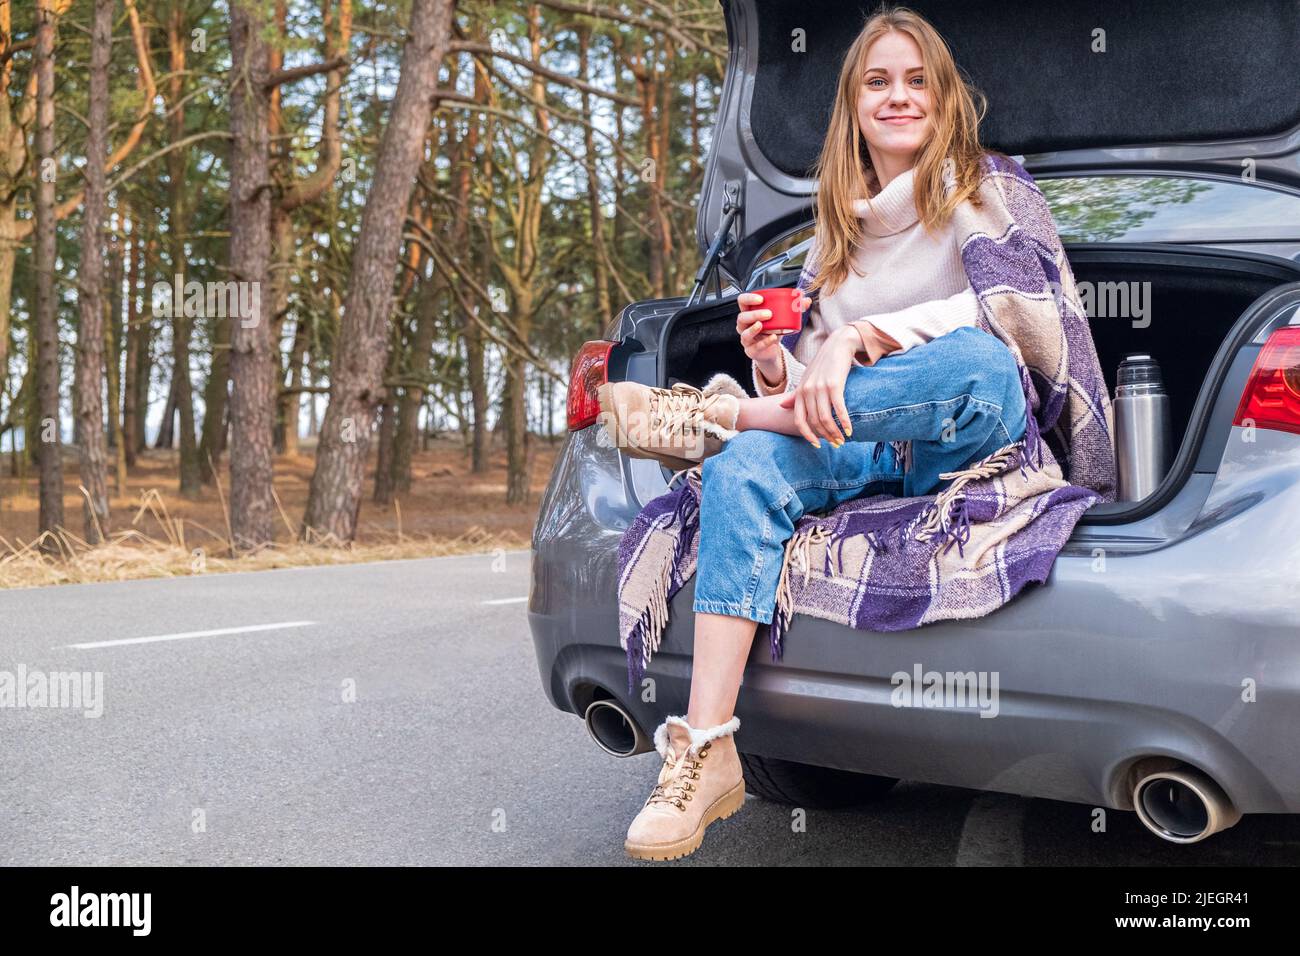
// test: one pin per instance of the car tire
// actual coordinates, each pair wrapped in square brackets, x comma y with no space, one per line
[803,785]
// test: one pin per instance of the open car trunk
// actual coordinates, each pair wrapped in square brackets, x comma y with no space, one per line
[1066,82]
[1196,301]
[1050,73]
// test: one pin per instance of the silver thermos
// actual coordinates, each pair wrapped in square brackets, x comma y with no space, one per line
[1143,434]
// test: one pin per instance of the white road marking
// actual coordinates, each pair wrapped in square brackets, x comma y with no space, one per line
[186,635]
[507,600]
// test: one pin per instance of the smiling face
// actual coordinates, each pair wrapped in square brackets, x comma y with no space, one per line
[894,103]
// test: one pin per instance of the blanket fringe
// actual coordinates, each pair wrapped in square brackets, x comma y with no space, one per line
[647,633]
[688,506]
[903,454]
[797,551]
[948,516]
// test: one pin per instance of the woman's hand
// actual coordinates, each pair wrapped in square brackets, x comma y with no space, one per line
[762,347]
[821,389]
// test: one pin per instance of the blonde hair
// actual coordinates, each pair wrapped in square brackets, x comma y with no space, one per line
[844,170]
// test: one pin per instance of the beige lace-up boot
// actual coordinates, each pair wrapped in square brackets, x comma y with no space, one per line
[700,781]
[678,426]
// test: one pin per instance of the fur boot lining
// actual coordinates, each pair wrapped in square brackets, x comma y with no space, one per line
[698,737]
[718,430]
[724,383]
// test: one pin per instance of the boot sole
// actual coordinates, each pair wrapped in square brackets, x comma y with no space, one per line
[720,809]
[629,447]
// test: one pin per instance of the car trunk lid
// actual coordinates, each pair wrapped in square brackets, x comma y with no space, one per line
[1078,84]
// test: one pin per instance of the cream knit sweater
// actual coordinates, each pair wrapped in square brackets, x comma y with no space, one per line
[908,284]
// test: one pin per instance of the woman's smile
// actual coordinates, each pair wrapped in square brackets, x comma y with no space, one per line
[893,103]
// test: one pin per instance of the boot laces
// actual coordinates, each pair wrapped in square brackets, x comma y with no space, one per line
[678,411]
[676,784]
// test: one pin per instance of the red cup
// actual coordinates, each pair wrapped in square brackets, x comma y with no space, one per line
[781,303]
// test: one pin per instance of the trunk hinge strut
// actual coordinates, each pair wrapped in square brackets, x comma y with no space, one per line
[722,243]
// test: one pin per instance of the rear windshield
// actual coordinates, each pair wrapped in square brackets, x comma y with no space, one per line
[1169,209]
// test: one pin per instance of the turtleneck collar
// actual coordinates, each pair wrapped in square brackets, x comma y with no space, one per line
[892,209]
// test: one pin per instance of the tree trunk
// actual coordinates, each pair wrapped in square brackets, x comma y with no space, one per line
[383,494]
[643,70]
[337,36]
[113,335]
[135,404]
[616,227]
[515,417]
[17,113]
[384,464]
[114,342]
[475,353]
[166,437]
[215,402]
[144,379]
[356,380]
[291,402]
[252,360]
[90,281]
[309,379]
[406,438]
[19,437]
[660,207]
[598,252]
[282,246]
[282,238]
[177,224]
[49,438]
[520,274]
[421,353]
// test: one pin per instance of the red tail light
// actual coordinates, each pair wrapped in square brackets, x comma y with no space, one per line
[1272,397]
[589,372]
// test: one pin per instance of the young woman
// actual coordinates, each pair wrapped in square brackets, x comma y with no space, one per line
[890,353]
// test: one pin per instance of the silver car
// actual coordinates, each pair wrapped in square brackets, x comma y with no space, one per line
[1158,669]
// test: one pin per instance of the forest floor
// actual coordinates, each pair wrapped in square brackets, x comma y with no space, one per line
[155,532]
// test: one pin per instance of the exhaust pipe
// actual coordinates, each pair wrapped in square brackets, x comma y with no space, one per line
[614,730]
[1182,805]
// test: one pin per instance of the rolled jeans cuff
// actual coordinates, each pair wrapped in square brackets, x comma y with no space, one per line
[754,613]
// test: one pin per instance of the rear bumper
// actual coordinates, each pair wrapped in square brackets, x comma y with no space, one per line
[1155,654]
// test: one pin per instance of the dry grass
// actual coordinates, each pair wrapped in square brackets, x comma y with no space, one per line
[449,511]
[175,550]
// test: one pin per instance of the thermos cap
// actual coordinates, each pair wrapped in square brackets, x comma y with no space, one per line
[1139,368]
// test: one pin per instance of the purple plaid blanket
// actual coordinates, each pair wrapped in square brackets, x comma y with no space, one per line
[886,563]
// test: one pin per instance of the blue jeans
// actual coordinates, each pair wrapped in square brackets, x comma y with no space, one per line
[957,398]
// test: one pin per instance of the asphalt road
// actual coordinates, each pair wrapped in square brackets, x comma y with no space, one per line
[392,714]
